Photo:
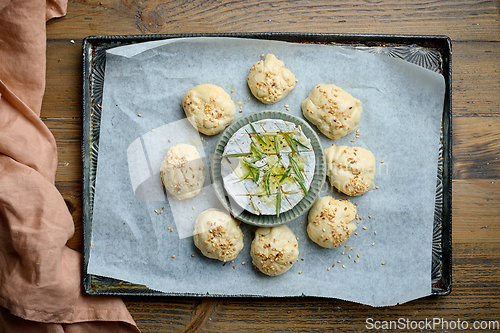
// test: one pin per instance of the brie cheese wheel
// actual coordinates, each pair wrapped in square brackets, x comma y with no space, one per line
[263,158]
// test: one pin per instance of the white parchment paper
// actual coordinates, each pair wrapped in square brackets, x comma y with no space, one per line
[137,229]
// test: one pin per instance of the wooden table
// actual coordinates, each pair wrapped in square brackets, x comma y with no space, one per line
[474,28]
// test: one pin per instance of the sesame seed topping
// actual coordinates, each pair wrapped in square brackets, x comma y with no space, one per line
[300,272]
[343,266]
[328,268]
[232,91]
[383,263]
[173,256]
[139,115]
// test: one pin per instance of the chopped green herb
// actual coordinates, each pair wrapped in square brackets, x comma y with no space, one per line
[292,144]
[276,145]
[287,172]
[300,143]
[278,202]
[237,155]
[296,168]
[302,186]
[258,135]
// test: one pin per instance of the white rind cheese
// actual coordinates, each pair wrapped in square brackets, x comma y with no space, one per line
[256,197]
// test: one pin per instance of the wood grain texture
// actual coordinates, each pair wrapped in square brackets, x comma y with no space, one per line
[474,297]
[473,26]
[461,20]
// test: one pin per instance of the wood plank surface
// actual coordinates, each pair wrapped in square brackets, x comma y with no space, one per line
[461,20]
[474,28]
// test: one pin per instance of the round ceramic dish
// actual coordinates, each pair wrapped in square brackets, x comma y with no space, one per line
[268,220]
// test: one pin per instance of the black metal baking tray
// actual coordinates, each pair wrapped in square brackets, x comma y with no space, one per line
[431,52]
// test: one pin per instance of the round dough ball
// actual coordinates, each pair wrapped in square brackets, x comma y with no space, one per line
[350,169]
[330,221]
[269,80]
[335,112]
[274,250]
[181,172]
[218,235]
[208,108]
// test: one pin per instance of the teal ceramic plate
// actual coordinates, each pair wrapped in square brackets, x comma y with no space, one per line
[268,220]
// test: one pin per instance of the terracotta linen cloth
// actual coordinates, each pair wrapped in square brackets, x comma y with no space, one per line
[40,277]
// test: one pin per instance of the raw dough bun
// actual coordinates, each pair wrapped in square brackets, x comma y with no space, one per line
[269,80]
[208,108]
[218,235]
[335,112]
[350,169]
[274,250]
[330,221]
[181,172]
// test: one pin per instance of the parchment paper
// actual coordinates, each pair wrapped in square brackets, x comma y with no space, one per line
[400,124]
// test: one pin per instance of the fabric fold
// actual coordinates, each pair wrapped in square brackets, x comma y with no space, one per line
[40,277]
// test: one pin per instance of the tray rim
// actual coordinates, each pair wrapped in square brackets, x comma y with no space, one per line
[441,287]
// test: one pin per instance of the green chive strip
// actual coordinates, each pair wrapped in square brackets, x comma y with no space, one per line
[287,172]
[296,168]
[300,143]
[302,185]
[237,155]
[258,135]
[276,145]
[278,202]
[292,144]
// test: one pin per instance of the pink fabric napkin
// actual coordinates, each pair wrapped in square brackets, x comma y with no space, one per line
[40,277]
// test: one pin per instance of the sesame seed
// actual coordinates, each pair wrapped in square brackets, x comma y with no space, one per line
[192,207]
[373,243]
[333,265]
[173,256]
[171,229]
[343,266]
[364,228]
[192,255]
[376,187]
[349,256]
[241,111]
[139,115]
[243,263]
[338,261]
[239,103]
[352,140]
[355,260]
[375,232]
[328,268]
[302,259]
[262,55]
[300,272]
[153,130]
[234,267]
[232,91]
[383,263]
[382,161]
[248,98]
[369,216]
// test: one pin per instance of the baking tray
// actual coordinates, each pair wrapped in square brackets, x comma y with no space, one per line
[431,52]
